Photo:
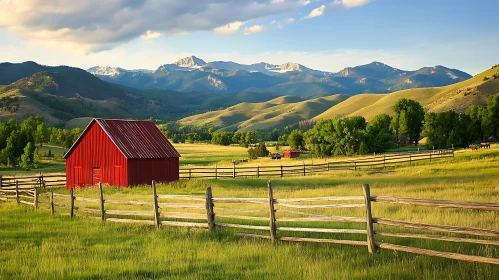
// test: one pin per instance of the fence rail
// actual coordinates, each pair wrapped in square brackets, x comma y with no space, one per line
[59,180]
[306,169]
[272,215]
[33,181]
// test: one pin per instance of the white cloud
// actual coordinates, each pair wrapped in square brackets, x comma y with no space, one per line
[281,24]
[350,3]
[253,29]
[317,12]
[96,25]
[150,35]
[228,29]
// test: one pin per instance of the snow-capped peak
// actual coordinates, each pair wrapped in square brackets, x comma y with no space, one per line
[106,70]
[190,61]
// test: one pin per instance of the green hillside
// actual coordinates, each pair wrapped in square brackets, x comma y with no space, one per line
[286,110]
[277,112]
[61,94]
[457,97]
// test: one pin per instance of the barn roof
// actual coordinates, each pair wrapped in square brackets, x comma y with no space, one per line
[135,139]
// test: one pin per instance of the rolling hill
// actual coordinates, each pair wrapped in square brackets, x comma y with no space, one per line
[287,110]
[456,97]
[279,112]
[194,74]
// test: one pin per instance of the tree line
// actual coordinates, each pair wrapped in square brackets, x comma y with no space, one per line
[353,135]
[19,140]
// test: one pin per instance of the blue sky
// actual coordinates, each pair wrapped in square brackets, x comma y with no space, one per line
[326,35]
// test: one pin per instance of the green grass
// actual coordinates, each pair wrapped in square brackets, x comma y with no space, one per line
[36,246]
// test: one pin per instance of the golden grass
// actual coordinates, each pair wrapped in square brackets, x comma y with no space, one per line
[35,246]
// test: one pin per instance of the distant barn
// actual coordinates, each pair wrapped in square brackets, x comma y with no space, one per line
[121,153]
[292,153]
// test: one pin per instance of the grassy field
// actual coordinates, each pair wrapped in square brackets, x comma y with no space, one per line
[36,246]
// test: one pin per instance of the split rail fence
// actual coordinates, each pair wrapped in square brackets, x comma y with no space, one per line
[279,217]
[377,161]
[33,181]
[384,160]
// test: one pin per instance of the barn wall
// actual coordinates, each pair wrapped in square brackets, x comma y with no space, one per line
[143,171]
[95,149]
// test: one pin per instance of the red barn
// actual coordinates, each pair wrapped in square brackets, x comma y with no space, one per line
[121,153]
[292,153]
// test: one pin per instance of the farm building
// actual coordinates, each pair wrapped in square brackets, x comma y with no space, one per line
[121,153]
[292,153]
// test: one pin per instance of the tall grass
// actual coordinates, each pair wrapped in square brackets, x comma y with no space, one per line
[35,246]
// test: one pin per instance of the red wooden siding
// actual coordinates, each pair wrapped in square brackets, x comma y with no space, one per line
[143,171]
[95,150]
[292,153]
[121,153]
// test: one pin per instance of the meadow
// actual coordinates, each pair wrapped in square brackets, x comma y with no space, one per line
[37,246]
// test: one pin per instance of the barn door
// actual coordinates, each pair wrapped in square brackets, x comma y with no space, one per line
[78,180]
[96,175]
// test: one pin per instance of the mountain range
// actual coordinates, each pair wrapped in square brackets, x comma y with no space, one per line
[226,77]
[63,93]
[69,95]
[283,111]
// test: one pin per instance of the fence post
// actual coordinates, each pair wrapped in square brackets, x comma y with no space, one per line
[102,210]
[190,173]
[1,181]
[72,204]
[17,191]
[384,162]
[216,171]
[52,204]
[157,221]
[430,155]
[258,171]
[304,170]
[273,227]
[371,245]
[281,171]
[234,170]
[35,199]
[328,166]
[209,209]
[410,160]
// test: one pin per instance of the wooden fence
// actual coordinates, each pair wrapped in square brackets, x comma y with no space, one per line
[276,216]
[384,160]
[33,181]
[375,161]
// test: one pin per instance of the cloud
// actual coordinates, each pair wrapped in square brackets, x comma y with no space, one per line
[150,35]
[228,29]
[317,12]
[350,3]
[281,24]
[96,25]
[253,29]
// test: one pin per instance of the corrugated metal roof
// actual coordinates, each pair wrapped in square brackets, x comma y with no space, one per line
[136,139]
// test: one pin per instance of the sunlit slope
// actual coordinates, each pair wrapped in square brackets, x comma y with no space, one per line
[453,97]
[277,112]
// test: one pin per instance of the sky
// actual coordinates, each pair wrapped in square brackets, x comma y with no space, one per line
[327,35]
